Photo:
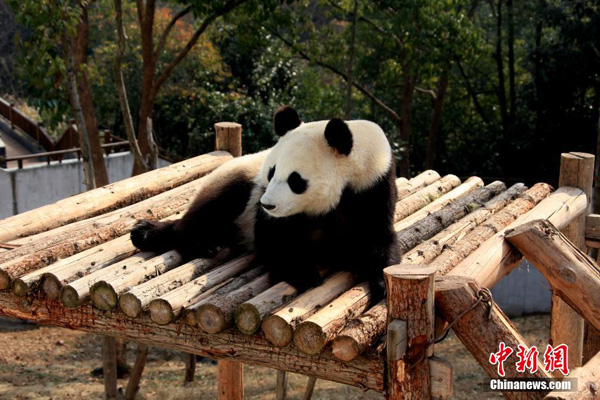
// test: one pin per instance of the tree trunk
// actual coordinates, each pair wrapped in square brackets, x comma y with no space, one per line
[405,122]
[437,117]
[350,80]
[79,51]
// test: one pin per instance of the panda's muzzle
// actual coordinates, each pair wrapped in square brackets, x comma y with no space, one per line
[267,207]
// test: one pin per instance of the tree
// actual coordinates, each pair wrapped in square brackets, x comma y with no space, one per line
[57,46]
[152,78]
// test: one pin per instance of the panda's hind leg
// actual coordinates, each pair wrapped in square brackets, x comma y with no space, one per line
[155,236]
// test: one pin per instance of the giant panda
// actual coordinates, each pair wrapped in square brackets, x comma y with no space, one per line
[322,198]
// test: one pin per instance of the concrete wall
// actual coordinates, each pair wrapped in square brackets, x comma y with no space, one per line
[34,186]
[523,291]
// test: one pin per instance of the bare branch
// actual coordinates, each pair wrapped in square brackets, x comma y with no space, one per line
[427,91]
[163,38]
[336,71]
[123,101]
[230,5]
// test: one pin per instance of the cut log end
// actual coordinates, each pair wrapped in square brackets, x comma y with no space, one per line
[130,305]
[4,280]
[189,317]
[69,297]
[345,348]
[161,311]
[310,338]
[211,319]
[247,318]
[51,286]
[277,330]
[20,288]
[103,296]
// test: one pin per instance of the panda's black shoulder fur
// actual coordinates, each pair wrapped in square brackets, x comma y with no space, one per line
[358,236]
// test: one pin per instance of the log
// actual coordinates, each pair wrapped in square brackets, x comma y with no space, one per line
[223,289]
[230,380]
[316,331]
[249,315]
[436,221]
[109,367]
[137,298]
[440,373]
[573,276]
[588,382]
[281,385]
[310,387]
[468,186]
[167,307]
[365,372]
[566,326]
[424,196]
[70,239]
[481,331]
[410,298]
[416,183]
[78,291]
[278,327]
[133,386]
[427,251]
[69,269]
[360,333]
[495,258]
[229,137]
[190,368]
[216,313]
[109,197]
[457,252]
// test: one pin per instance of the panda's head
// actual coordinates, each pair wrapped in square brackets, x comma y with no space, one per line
[312,163]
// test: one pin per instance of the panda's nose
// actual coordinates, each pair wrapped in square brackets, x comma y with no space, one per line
[267,206]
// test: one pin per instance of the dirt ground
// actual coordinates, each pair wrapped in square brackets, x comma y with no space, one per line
[54,363]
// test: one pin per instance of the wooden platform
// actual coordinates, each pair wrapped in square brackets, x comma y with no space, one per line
[77,252]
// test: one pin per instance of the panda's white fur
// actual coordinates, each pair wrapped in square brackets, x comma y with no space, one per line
[305,150]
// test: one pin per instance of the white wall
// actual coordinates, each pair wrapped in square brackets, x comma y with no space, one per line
[42,184]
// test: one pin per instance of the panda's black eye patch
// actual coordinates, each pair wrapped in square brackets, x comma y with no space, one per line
[271,173]
[297,183]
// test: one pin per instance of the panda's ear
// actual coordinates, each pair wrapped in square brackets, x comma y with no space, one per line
[285,119]
[338,136]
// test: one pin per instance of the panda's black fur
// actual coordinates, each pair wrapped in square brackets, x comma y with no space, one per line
[357,235]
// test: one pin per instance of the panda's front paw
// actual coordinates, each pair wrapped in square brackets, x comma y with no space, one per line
[146,234]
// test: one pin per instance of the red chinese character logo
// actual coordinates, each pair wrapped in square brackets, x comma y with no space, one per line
[527,359]
[557,358]
[501,356]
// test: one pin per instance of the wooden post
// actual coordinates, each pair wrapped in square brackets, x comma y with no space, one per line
[573,276]
[11,116]
[133,386]
[230,373]
[190,368]
[109,367]
[410,300]
[566,326]
[229,137]
[231,378]
[281,393]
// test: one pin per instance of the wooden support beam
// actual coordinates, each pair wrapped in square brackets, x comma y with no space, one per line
[592,231]
[566,326]
[588,382]
[133,386]
[281,385]
[109,367]
[439,202]
[481,330]
[410,298]
[440,372]
[573,276]
[110,197]
[279,327]
[190,368]
[230,377]
[310,387]
[495,258]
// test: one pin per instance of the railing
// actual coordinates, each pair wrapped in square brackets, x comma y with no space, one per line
[33,129]
[57,155]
